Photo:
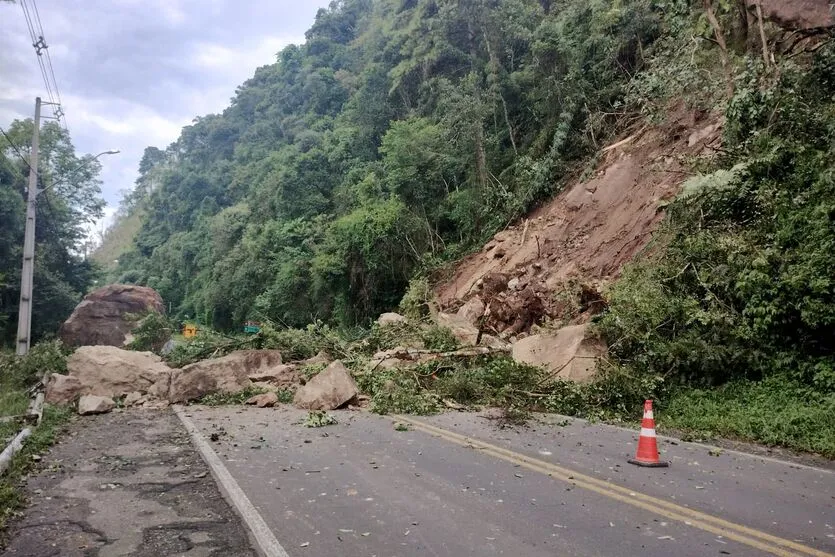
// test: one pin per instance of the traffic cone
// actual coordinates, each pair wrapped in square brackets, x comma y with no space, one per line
[647,454]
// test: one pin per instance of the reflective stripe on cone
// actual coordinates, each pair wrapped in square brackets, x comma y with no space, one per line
[647,454]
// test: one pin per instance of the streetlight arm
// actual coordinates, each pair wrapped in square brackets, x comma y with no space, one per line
[76,169]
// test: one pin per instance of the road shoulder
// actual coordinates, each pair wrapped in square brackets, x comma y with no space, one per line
[126,484]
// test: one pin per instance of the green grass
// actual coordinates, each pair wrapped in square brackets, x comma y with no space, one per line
[774,412]
[12,498]
[13,401]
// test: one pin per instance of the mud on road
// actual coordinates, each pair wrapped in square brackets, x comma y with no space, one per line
[126,484]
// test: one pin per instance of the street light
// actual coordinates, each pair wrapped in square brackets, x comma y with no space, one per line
[76,169]
[24,318]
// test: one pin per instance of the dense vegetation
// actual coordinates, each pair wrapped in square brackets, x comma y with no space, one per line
[71,199]
[403,133]
[398,136]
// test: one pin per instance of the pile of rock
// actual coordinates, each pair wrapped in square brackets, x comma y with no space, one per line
[102,377]
[571,353]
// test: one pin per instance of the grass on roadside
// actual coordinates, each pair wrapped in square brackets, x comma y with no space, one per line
[774,412]
[13,401]
[12,497]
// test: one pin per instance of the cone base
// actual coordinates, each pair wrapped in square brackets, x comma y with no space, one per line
[647,464]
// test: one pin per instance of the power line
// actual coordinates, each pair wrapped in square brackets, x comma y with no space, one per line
[37,35]
[15,148]
[59,112]
[39,43]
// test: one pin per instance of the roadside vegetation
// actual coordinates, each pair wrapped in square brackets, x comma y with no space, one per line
[17,376]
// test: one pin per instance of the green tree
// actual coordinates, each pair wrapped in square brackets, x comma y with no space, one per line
[70,200]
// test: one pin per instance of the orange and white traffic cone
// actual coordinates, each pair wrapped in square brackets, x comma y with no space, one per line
[647,454]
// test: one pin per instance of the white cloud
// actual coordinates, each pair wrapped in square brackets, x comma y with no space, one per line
[118,117]
[242,59]
[133,72]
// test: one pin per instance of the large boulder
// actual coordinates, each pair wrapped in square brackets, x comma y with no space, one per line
[108,315]
[472,311]
[63,389]
[282,376]
[229,374]
[799,14]
[570,353]
[466,333]
[111,372]
[328,390]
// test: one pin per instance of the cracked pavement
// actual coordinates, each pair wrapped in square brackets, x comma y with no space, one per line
[126,483]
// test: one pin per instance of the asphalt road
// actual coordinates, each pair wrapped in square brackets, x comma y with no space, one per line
[126,483]
[457,484]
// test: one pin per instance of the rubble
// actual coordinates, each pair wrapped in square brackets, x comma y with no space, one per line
[94,404]
[328,390]
[266,400]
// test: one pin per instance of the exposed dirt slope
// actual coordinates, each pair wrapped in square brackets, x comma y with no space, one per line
[586,234]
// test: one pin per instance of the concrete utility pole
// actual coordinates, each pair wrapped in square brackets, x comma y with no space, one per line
[27,274]
[24,319]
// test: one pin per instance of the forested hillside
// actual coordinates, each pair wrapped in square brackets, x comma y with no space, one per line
[404,133]
[399,135]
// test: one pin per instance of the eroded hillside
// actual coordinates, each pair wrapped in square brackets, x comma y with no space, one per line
[583,237]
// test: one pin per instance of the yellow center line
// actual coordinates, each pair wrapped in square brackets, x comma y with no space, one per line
[709,523]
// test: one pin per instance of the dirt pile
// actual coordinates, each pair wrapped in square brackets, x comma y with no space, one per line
[553,264]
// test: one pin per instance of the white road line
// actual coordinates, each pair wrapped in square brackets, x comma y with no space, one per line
[266,543]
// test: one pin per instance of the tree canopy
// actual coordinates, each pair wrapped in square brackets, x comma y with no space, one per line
[70,201]
[400,134]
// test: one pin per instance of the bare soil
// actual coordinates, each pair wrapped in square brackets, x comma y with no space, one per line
[581,239]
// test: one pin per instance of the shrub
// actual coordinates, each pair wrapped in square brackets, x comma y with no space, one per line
[152,332]
[415,304]
[43,358]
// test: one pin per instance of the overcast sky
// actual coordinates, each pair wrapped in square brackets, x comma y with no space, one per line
[132,73]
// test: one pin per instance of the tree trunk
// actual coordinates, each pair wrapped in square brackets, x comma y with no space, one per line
[763,39]
[742,37]
[494,68]
[723,46]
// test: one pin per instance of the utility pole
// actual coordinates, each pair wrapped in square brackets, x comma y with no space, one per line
[24,319]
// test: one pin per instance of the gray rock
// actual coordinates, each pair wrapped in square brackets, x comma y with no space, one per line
[390,319]
[168,347]
[266,400]
[134,398]
[331,388]
[94,404]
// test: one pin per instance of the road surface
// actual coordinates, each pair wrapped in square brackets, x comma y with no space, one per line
[456,485]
